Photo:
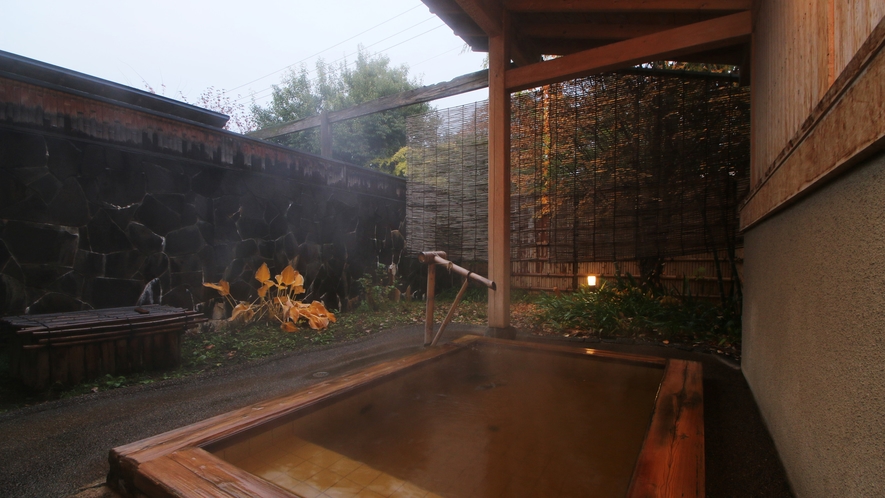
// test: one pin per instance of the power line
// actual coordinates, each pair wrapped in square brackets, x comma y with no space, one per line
[314,80]
[328,48]
[270,88]
[434,57]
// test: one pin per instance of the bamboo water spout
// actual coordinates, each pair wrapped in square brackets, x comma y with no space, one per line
[431,259]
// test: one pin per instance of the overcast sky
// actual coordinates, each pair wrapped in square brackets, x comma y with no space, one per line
[190,45]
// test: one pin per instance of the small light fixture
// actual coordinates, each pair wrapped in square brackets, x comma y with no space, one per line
[591,280]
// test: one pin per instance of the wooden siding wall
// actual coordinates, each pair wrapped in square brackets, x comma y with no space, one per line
[790,74]
[700,270]
[802,62]
[853,21]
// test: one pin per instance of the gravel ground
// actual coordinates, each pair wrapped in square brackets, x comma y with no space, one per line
[58,448]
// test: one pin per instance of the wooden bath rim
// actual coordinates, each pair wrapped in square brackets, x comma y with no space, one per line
[670,462]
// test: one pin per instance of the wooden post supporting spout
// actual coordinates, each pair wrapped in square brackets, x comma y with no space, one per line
[428,317]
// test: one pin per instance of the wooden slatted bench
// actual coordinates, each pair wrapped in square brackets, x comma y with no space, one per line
[69,348]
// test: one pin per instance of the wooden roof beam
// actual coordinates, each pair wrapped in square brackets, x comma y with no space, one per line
[591,31]
[486,14]
[633,6]
[706,35]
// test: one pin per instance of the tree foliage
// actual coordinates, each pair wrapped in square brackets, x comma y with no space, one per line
[216,100]
[370,140]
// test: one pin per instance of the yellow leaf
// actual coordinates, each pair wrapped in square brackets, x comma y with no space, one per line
[288,327]
[263,274]
[244,310]
[287,277]
[294,314]
[262,291]
[318,322]
[222,287]
[298,280]
[318,308]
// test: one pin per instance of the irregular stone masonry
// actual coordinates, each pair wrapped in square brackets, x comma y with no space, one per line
[97,199]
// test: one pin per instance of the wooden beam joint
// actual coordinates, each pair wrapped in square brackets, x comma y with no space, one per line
[715,33]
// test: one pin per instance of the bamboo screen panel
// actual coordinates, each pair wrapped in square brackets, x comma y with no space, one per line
[447,183]
[615,167]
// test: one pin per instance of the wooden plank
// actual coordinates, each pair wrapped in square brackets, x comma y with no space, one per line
[631,6]
[147,351]
[572,350]
[225,476]
[789,75]
[592,31]
[92,360]
[174,340]
[161,357]
[15,350]
[164,477]
[706,35]
[499,181]
[108,357]
[461,84]
[832,139]
[122,361]
[76,365]
[671,462]
[853,22]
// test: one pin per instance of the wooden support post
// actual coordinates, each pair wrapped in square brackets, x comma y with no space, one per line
[325,135]
[499,182]
[428,318]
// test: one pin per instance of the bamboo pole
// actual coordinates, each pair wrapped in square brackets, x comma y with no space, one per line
[451,312]
[438,258]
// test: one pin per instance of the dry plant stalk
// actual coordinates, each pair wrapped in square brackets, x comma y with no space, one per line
[277,301]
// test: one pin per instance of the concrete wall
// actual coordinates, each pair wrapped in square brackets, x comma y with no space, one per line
[814,334]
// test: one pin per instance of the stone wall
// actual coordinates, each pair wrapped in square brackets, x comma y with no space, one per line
[99,198]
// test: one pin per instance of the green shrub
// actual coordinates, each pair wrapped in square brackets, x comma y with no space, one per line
[623,308]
